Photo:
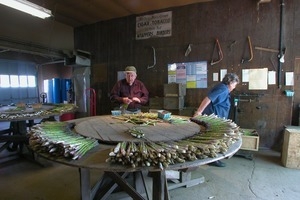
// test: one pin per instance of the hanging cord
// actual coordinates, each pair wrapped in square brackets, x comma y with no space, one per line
[154,59]
[218,48]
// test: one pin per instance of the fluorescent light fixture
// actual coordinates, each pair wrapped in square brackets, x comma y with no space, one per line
[28,7]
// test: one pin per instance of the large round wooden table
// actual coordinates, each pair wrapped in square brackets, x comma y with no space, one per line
[20,120]
[110,131]
[16,133]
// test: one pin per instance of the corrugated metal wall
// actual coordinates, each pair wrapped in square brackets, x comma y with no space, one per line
[18,94]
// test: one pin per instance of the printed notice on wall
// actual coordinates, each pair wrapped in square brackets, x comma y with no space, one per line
[258,79]
[193,74]
[156,25]
[289,78]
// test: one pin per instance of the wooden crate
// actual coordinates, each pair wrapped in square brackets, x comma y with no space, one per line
[250,139]
[173,102]
[187,111]
[290,155]
[156,102]
[174,90]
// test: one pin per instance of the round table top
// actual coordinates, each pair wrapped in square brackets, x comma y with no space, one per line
[108,129]
[96,157]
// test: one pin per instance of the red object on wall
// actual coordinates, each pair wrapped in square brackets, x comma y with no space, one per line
[90,92]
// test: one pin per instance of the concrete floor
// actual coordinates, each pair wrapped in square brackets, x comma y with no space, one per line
[262,178]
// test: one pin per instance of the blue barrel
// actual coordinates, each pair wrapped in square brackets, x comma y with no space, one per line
[49,91]
[65,87]
[56,83]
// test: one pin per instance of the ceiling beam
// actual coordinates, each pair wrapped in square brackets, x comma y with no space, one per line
[30,48]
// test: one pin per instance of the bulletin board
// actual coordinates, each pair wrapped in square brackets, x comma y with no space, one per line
[193,74]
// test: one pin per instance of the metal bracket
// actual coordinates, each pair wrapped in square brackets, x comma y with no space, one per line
[188,50]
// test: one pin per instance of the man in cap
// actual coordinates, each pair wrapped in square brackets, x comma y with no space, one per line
[130,92]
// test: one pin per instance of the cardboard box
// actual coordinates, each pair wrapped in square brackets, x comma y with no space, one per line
[173,102]
[163,114]
[174,90]
[250,139]
[290,155]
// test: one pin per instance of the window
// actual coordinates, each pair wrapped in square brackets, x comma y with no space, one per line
[23,81]
[31,81]
[4,81]
[16,81]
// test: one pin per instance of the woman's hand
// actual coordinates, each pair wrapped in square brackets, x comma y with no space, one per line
[197,113]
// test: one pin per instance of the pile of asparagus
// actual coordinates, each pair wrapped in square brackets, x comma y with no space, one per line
[140,118]
[135,132]
[218,135]
[57,139]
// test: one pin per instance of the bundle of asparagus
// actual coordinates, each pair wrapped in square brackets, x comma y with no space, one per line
[213,123]
[141,154]
[63,108]
[57,139]
[217,138]
[135,132]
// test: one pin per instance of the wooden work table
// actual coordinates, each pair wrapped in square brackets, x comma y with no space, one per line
[22,118]
[110,131]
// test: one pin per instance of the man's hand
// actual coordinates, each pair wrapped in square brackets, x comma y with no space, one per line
[126,100]
[136,99]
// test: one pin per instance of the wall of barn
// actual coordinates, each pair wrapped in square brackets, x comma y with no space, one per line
[113,47]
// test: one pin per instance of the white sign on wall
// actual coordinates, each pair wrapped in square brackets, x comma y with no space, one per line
[156,25]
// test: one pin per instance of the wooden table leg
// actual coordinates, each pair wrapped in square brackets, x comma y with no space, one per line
[107,185]
[124,185]
[89,192]
[185,178]
[85,186]
[19,128]
[160,187]
[140,183]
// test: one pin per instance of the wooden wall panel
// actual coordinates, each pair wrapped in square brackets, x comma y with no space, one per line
[113,44]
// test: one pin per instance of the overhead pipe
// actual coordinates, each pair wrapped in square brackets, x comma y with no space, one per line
[3,51]
[281,48]
[30,48]
[53,62]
